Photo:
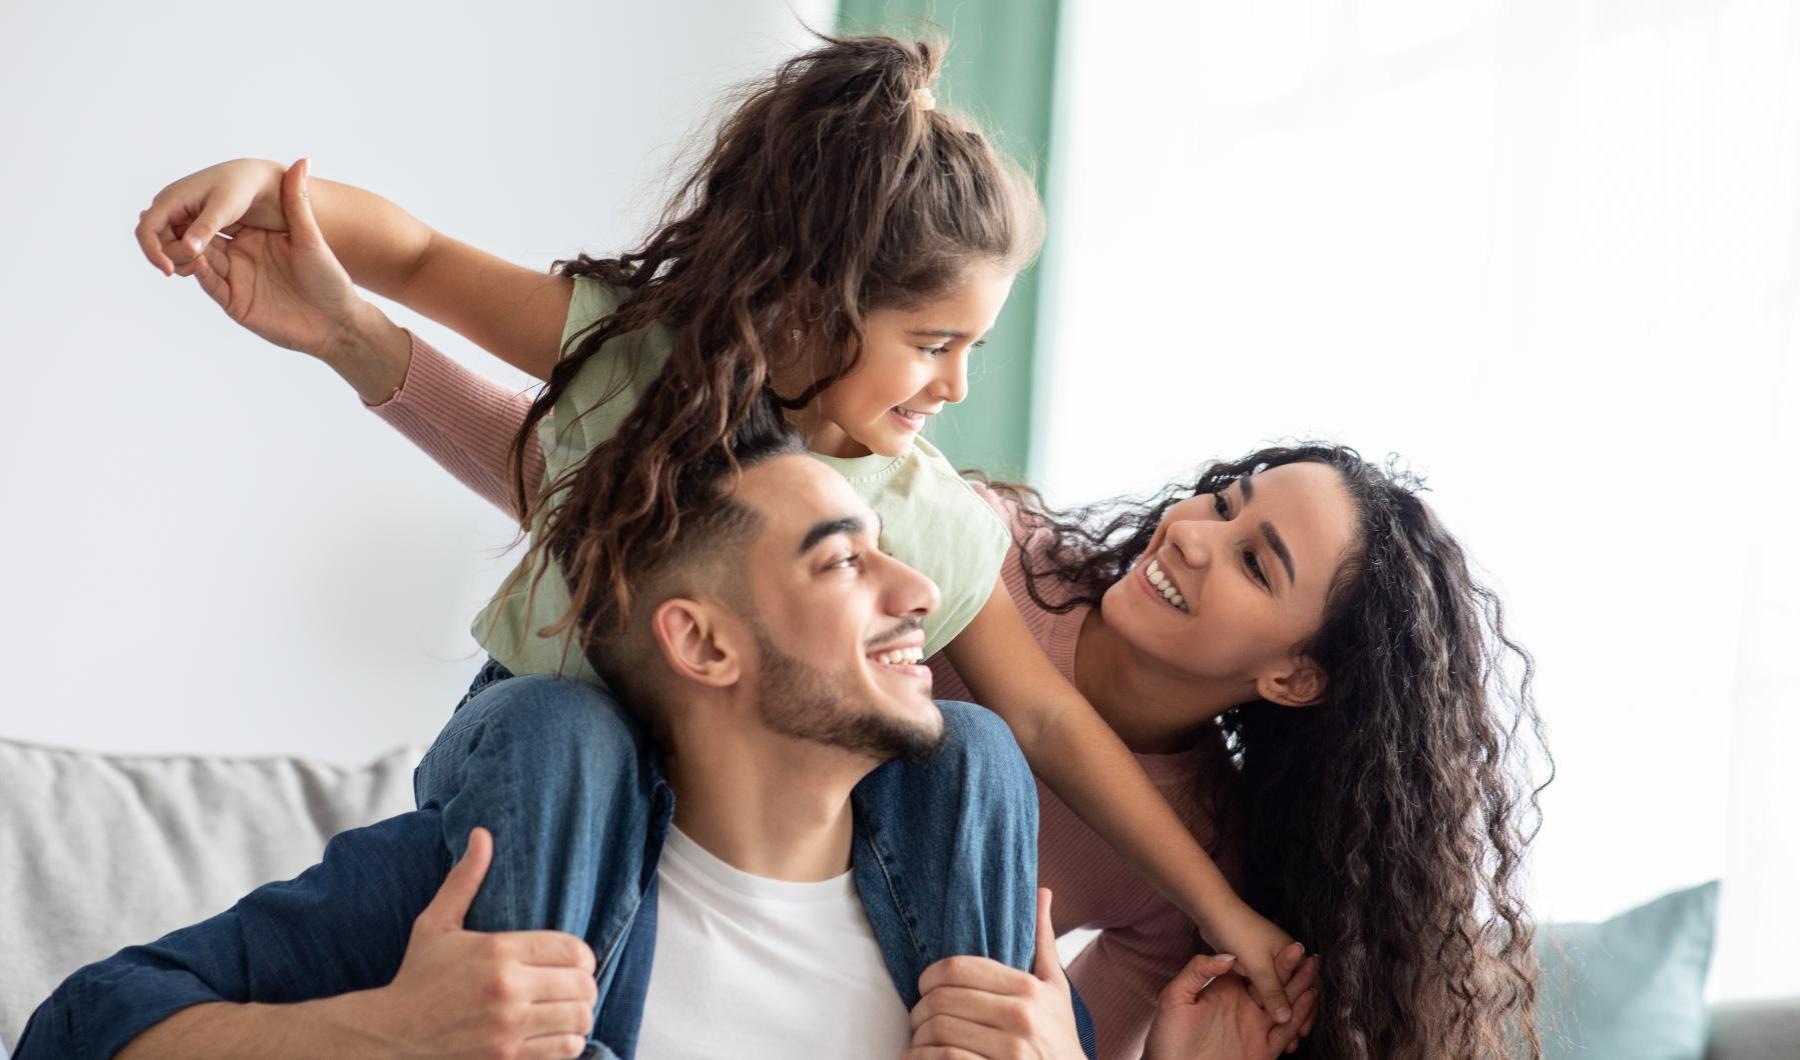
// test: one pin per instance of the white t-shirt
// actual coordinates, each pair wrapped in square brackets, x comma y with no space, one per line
[750,967]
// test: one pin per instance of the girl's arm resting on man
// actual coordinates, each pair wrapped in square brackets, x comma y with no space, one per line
[464,421]
[1073,750]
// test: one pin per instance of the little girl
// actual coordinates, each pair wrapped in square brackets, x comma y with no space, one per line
[845,244]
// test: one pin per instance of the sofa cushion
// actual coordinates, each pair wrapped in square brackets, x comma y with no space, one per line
[1632,986]
[98,852]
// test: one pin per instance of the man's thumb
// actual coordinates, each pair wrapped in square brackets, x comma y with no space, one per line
[457,893]
[296,203]
[1047,966]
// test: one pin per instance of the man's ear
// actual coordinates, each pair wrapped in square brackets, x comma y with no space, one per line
[696,642]
[1295,682]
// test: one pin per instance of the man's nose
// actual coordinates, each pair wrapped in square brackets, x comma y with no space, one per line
[907,592]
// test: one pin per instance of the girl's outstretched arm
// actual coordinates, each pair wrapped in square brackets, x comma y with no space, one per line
[513,312]
[1079,756]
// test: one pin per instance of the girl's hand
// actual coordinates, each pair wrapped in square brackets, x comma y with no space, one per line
[186,215]
[1266,957]
[1200,1014]
[284,286]
[289,288]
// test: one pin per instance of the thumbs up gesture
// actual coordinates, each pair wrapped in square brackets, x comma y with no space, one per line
[527,995]
[976,1007]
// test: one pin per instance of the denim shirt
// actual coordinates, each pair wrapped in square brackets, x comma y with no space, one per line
[344,924]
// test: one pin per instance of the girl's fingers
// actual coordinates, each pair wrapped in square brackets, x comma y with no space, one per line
[1271,995]
[150,242]
[1304,979]
[213,216]
[1288,961]
[1286,1038]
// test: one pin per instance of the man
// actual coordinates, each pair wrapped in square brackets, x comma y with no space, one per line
[798,752]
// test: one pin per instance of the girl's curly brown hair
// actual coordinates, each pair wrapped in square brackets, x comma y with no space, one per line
[1385,826]
[834,188]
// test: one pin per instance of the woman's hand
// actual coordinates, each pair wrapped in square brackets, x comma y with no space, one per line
[1258,945]
[973,1008]
[1204,1015]
[186,215]
[287,287]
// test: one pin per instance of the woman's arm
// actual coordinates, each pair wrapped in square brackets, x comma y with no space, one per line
[464,421]
[1078,755]
[515,313]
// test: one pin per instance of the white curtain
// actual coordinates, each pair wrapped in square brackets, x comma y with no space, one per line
[1546,251]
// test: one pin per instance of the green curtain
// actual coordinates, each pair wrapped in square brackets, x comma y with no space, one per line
[1001,71]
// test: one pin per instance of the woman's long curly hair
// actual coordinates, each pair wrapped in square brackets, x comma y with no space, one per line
[1385,826]
[835,187]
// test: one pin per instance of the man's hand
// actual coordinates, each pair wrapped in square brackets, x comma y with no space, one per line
[973,1008]
[1205,1014]
[522,995]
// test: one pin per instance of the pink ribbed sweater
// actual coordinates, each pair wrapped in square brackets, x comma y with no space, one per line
[466,423]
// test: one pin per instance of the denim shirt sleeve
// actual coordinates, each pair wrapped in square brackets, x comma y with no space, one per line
[340,926]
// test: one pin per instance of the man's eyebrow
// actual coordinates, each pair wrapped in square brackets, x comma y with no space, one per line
[1279,547]
[848,524]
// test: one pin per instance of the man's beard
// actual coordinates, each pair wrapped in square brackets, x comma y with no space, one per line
[801,701]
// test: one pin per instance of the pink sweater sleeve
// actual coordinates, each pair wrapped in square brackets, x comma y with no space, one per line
[465,421]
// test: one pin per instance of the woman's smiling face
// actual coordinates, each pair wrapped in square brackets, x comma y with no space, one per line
[1233,581]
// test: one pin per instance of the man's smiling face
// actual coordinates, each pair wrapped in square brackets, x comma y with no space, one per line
[837,623]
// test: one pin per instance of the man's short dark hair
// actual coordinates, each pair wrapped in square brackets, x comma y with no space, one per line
[706,556]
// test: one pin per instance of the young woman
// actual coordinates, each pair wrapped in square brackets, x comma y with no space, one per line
[1293,646]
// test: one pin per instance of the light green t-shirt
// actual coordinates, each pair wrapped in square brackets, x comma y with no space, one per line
[932,519]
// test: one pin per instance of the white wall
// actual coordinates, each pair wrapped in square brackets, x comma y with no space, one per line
[1550,253]
[205,543]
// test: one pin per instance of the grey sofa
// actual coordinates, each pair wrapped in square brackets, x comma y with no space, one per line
[100,851]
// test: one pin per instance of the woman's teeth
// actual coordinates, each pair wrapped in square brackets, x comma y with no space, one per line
[1165,585]
[902,657]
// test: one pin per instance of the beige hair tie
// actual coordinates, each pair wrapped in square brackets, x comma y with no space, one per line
[923,99]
